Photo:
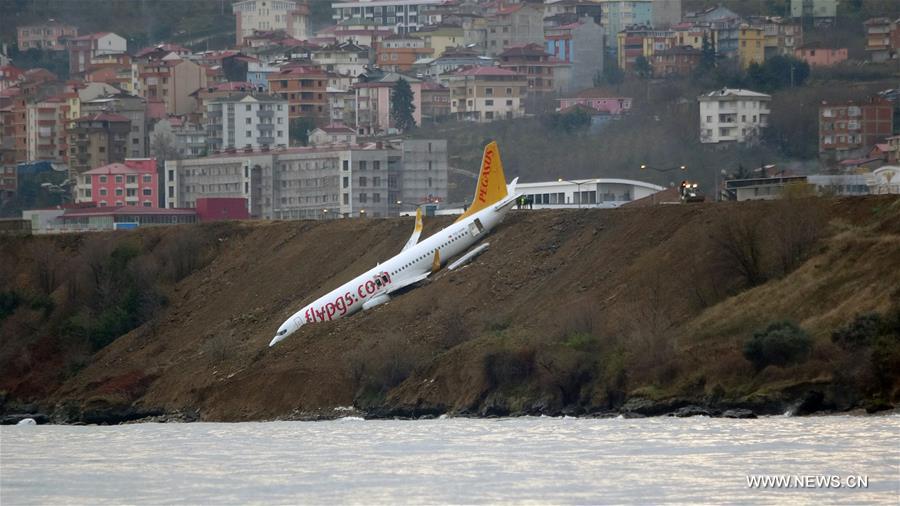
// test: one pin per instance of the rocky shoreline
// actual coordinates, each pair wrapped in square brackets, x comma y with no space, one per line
[636,407]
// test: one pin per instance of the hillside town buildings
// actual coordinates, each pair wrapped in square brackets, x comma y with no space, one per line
[130,183]
[51,35]
[281,86]
[322,182]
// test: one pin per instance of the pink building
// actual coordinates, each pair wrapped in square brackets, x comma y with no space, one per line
[373,101]
[133,183]
[817,56]
[600,102]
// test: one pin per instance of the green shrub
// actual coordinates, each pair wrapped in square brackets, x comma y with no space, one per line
[781,344]
[508,367]
[859,333]
[9,301]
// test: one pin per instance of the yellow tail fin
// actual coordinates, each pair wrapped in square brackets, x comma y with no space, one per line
[491,187]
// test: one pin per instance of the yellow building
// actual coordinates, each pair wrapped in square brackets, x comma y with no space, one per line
[442,37]
[751,46]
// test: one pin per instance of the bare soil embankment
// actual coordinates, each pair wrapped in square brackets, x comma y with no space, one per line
[643,310]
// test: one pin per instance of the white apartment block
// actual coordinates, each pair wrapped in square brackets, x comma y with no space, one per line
[403,16]
[291,16]
[247,121]
[733,115]
[340,181]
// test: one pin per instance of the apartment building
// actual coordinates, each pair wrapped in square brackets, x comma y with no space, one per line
[289,16]
[97,140]
[371,104]
[485,94]
[171,80]
[304,87]
[850,129]
[751,46]
[49,36]
[579,44]
[733,115]
[403,16]
[245,121]
[516,24]
[346,59]
[882,39]
[678,61]
[133,183]
[398,53]
[46,126]
[545,73]
[176,137]
[130,106]
[323,182]
[618,15]
[442,37]
[638,41]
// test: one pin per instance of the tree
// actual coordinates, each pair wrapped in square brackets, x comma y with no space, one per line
[611,75]
[299,129]
[642,67]
[780,344]
[402,107]
[707,55]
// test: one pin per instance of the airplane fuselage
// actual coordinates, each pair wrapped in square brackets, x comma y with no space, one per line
[371,287]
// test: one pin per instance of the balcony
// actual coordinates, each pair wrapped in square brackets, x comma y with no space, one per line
[265,140]
[265,127]
[265,114]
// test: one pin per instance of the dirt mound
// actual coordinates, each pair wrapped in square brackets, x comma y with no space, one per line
[567,308]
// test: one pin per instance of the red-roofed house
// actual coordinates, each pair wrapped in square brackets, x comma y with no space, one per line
[484,94]
[85,48]
[332,134]
[9,76]
[131,183]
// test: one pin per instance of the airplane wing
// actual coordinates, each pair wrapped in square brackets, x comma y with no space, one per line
[417,231]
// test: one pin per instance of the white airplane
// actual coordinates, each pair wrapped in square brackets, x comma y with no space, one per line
[493,198]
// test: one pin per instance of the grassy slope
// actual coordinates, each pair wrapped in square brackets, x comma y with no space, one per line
[566,308]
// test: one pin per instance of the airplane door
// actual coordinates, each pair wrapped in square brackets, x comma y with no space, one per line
[476,228]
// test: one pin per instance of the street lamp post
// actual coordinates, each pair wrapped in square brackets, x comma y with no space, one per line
[577,188]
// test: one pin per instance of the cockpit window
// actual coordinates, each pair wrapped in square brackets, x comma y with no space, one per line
[282,332]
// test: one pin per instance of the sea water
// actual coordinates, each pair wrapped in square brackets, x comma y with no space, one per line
[830,459]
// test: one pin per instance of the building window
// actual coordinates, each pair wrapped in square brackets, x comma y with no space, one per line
[376,165]
[103,179]
[249,121]
[376,197]
[118,179]
[171,176]
[362,165]
[147,203]
[148,178]
[102,192]
[363,198]
[148,192]
[249,107]
[119,192]
[131,179]
[346,165]
[362,181]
